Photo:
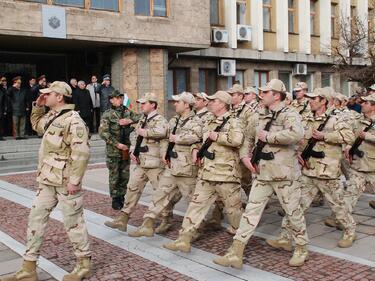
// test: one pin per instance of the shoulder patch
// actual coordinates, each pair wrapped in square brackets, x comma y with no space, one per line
[80,131]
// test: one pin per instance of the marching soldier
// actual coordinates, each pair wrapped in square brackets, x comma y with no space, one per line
[63,158]
[321,170]
[200,107]
[301,103]
[180,175]
[251,97]
[278,171]
[219,175]
[151,131]
[113,121]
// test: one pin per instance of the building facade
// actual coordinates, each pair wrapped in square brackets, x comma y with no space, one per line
[170,46]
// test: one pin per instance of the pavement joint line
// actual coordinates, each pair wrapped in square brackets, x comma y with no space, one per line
[198,264]
[317,249]
[52,269]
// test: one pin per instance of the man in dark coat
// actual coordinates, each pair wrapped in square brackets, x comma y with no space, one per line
[3,107]
[83,103]
[30,98]
[104,91]
[18,99]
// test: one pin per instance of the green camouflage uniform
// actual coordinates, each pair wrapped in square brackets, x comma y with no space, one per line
[109,131]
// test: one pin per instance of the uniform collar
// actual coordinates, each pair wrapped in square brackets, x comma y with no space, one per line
[152,114]
[240,106]
[191,114]
[204,109]
[225,115]
[66,106]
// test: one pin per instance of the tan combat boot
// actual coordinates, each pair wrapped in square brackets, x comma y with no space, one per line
[347,240]
[164,226]
[300,255]
[331,222]
[26,273]
[182,243]
[81,270]
[280,243]
[146,229]
[120,222]
[233,257]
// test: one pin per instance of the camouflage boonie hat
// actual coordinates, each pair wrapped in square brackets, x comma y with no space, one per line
[115,93]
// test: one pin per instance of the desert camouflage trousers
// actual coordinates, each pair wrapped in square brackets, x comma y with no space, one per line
[138,179]
[356,185]
[45,201]
[289,195]
[205,194]
[168,193]
[333,192]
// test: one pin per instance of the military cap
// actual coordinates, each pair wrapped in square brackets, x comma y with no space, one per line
[222,96]
[59,87]
[369,98]
[201,95]
[106,77]
[148,97]
[115,93]
[236,88]
[185,97]
[300,86]
[274,85]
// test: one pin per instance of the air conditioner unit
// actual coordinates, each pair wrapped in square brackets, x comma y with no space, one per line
[243,32]
[300,69]
[226,68]
[219,35]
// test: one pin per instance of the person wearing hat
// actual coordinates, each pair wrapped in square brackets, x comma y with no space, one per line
[179,177]
[251,97]
[322,173]
[63,160]
[30,98]
[148,166]
[200,107]
[301,103]
[104,91]
[219,173]
[18,100]
[110,131]
[278,172]
[371,89]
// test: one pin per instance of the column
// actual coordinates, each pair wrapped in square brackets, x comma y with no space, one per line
[256,10]
[325,26]
[231,22]
[304,26]
[362,13]
[282,35]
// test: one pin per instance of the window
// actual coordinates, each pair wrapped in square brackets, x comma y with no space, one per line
[286,77]
[241,12]
[333,20]
[291,10]
[77,3]
[207,81]
[260,78]
[177,81]
[326,79]
[237,79]
[214,12]
[156,8]
[312,17]
[267,15]
[111,5]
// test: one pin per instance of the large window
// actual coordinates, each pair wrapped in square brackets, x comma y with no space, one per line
[286,77]
[267,15]
[105,5]
[156,8]
[260,78]
[177,81]
[241,12]
[291,12]
[208,81]
[313,30]
[308,79]
[326,79]
[333,20]
[78,3]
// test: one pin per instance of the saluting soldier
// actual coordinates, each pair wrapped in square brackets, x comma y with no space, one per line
[63,158]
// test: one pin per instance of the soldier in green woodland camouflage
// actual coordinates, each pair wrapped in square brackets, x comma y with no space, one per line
[63,158]
[118,163]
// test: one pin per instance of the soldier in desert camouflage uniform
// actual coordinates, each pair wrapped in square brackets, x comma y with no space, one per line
[63,158]
[180,175]
[276,173]
[149,166]
[323,173]
[200,107]
[251,97]
[219,177]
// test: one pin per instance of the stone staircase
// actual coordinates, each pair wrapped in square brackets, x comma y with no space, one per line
[22,155]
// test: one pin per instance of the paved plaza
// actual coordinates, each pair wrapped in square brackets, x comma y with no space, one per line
[117,256]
